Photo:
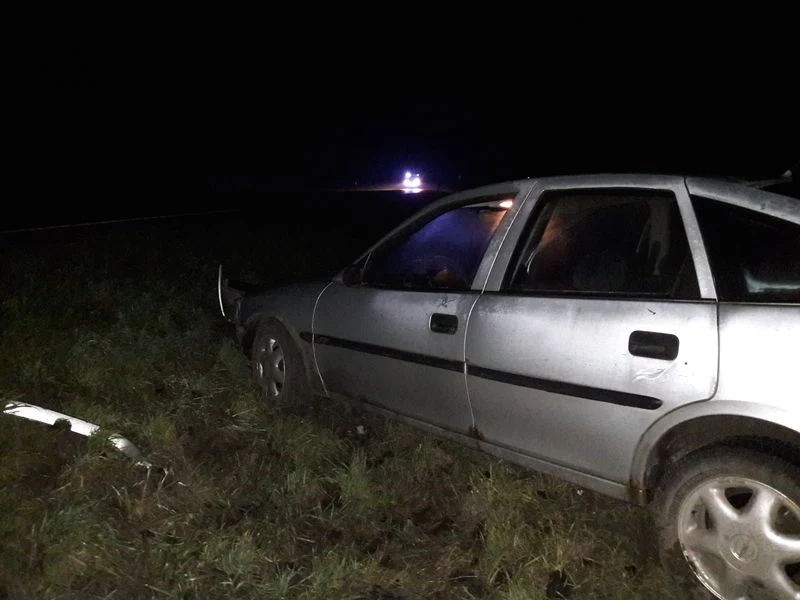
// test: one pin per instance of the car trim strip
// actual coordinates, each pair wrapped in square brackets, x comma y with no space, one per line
[568,389]
[422,359]
[547,385]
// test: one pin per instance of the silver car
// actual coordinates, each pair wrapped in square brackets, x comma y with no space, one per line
[636,335]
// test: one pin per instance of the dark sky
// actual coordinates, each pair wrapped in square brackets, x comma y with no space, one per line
[275,124]
[462,138]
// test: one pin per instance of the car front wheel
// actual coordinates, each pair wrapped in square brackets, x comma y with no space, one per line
[278,366]
[730,518]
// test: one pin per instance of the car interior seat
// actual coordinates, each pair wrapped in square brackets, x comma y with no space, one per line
[604,271]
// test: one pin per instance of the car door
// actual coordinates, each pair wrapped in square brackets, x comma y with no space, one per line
[395,336]
[599,317]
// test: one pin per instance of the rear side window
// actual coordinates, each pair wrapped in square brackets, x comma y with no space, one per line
[606,242]
[754,257]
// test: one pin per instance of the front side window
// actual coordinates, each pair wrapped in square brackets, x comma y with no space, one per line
[605,242]
[754,257]
[444,253]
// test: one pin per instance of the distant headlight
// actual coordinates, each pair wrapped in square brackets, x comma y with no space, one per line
[412,183]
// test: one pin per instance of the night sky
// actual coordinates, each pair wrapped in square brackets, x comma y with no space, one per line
[458,140]
[100,139]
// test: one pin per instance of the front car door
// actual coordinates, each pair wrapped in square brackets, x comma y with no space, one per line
[395,336]
[598,317]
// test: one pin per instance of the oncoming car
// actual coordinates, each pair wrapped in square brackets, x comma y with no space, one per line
[637,335]
[412,183]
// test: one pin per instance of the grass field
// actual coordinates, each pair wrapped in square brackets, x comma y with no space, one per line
[119,326]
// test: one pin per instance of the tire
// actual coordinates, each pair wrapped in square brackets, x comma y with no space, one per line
[728,520]
[278,366]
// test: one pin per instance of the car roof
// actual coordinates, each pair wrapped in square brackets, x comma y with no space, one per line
[731,192]
[776,205]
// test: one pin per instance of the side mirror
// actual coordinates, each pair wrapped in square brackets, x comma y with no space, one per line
[352,275]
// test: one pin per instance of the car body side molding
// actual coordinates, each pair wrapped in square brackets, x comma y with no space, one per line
[568,389]
[558,387]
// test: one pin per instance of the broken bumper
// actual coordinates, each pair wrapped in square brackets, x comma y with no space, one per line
[32,412]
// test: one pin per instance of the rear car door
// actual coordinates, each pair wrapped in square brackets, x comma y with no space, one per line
[598,317]
[394,337]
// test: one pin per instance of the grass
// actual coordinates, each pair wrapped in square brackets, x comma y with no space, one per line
[119,326]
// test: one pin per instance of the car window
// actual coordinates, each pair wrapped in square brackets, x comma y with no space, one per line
[754,257]
[618,242]
[444,253]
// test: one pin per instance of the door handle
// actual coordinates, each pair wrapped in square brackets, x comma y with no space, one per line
[441,323]
[651,344]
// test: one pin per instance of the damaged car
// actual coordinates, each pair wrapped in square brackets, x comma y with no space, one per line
[636,335]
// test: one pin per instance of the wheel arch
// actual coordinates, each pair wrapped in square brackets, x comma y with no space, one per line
[713,423]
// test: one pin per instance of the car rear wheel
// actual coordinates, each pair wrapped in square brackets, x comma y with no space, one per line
[730,518]
[278,366]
